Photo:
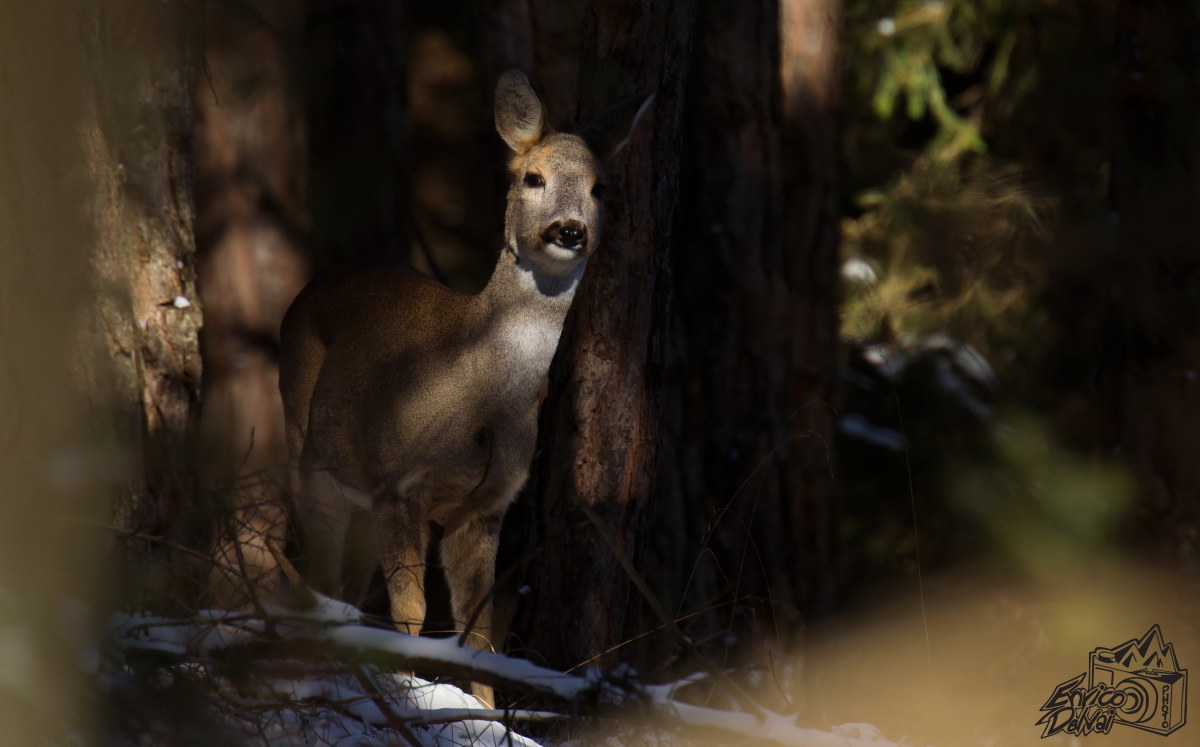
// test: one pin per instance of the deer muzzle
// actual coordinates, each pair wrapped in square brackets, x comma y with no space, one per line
[569,234]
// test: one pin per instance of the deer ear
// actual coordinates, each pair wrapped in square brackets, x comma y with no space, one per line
[609,133]
[520,116]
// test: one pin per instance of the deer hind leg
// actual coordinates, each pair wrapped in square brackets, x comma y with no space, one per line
[468,553]
[402,537]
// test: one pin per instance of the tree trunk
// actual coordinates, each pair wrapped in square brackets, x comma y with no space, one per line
[599,426]
[53,470]
[1148,300]
[541,37]
[251,219]
[744,526]
[810,70]
[357,102]
[137,130]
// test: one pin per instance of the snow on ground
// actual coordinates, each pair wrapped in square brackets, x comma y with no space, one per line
[315,678]
[437,714]
[303,701]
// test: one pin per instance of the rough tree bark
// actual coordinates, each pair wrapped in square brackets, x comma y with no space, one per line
[744,526]
[137,130]
[599,428]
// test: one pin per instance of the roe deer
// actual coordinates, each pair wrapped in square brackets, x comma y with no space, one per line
[419,404]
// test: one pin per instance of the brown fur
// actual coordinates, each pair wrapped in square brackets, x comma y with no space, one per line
[421,403]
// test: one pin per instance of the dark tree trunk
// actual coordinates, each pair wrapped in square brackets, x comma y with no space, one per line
[251,218]
[1146,294]
[143,59]
[744,525]
[355,89]
[599,430]
[541,37]
[810,68]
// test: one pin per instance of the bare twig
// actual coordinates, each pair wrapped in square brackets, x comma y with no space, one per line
[384,707]
[451,715]
[307,598]
[718,674]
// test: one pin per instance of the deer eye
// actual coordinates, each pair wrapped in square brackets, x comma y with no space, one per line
[598,191]
[533,181]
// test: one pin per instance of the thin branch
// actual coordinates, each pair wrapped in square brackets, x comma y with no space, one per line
[128,534]
[645,633]
[307,598]
[384,707]
[452,715]
[718,674]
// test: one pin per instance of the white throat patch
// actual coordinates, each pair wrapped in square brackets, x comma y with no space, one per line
[530,340]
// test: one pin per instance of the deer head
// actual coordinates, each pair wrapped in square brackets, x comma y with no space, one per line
[555,201]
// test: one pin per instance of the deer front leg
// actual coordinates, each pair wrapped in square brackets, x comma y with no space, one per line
[469,556]
[402,536]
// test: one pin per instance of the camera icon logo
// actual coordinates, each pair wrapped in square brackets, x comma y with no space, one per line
[1137,684]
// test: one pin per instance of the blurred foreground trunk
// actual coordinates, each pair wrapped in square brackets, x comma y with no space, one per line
[57,476]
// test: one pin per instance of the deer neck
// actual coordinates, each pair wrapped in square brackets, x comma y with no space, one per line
[524,312]
[518,287]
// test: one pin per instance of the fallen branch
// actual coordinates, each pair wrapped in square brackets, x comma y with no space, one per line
[334,628]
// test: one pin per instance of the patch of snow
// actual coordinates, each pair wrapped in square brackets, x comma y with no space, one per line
[958,366]
[966,357]
[857,426]
[313,704]
[327,610]
[889,362]
[858,270]
[858,731]
[951,383]
[772,727]
[447,649]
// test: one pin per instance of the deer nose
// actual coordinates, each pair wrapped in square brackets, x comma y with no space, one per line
[567,234]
